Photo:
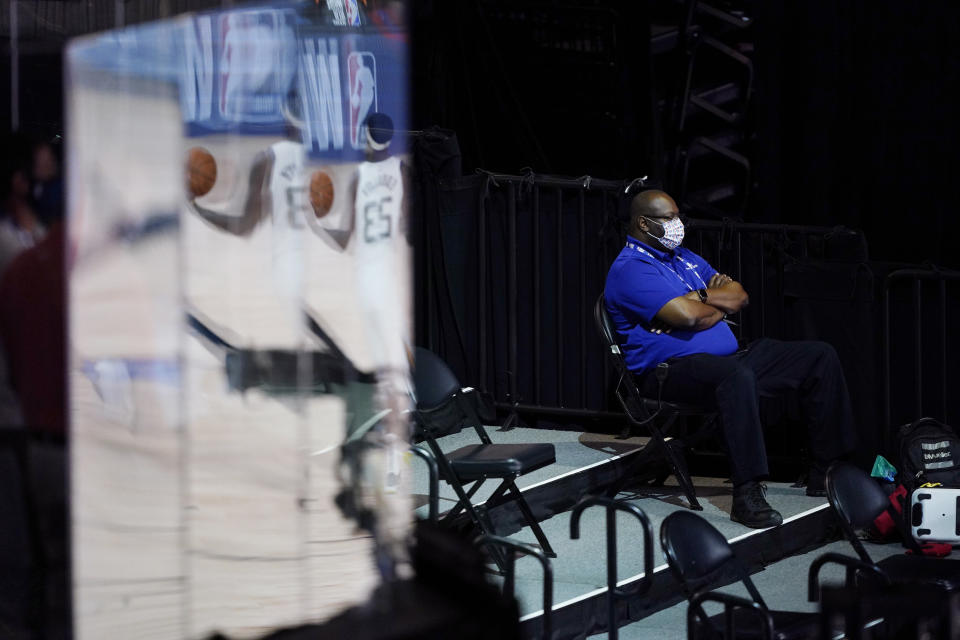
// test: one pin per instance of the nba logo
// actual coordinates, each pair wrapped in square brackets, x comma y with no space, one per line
[362,75]
[256,63]
[353,13]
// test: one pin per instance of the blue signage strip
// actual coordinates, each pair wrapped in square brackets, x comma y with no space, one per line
[269,71]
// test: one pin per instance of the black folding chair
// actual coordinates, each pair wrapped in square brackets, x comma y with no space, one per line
[647,412]
[444,408]
[858,500]
[701,558]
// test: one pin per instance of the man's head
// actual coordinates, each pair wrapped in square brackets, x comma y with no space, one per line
[654,219]
[379,134]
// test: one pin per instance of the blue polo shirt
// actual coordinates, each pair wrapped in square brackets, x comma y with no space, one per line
[643,279]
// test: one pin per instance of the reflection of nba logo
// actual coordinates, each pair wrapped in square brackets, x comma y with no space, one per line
[353,13]
[362,73]
[257,64]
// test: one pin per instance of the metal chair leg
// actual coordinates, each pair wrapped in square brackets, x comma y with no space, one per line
[481,519]
[683,477]
[674,460]
[534,525]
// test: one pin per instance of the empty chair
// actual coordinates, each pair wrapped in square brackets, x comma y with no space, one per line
[444,408]
[858,500]
[701,558]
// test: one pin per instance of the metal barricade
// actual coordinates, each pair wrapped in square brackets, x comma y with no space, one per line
[916,350]
[539,249]
[614,593]
[511,549]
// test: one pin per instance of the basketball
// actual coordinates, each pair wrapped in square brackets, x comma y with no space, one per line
[201,171]
[321,193]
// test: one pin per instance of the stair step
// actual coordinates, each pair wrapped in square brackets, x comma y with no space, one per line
[719,95]
[735,18]
[586,463]
[726,139]
[727,153]
[579,570]
[782,584]
[665,38]
[730,117]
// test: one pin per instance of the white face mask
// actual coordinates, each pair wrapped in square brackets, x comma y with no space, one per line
[672,233]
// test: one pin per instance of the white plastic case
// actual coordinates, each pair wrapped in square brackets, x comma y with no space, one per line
[933,515]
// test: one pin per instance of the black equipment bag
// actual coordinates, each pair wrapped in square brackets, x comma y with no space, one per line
[929,452]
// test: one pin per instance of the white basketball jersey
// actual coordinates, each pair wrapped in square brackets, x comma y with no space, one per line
[379,200]
[380,274]
[288,198]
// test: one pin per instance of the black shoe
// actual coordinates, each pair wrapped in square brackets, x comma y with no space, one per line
[750,507]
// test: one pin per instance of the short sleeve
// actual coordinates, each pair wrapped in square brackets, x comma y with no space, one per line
[638,290]
[704,270]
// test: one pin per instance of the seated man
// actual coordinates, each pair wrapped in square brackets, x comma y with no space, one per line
[669,305]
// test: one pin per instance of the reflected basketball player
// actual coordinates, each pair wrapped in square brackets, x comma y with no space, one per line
[379,221]
[379,224]
[276,188]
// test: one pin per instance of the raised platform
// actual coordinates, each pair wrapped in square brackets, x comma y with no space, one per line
[783,585]
[582,459]
[580,567]
[586,464]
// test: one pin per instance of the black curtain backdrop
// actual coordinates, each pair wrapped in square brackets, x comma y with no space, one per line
[855,106]
[860,120]
[856,112]
[562,88]
[804,285]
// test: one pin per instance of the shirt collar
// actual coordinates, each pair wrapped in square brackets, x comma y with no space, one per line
[665,256]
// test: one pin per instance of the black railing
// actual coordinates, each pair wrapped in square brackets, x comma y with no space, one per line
[919,306]
[507,551]
[524,257]
[561,204]
[614,593]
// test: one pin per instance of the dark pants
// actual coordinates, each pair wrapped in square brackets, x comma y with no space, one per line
[734,384]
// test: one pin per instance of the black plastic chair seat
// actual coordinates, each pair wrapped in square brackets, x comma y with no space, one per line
[500,460]
[787,625]
[942,572]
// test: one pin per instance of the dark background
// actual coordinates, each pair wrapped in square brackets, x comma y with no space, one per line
[812,112]
[834,115]
[842,114]
[852,116]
